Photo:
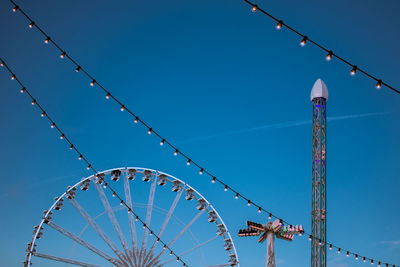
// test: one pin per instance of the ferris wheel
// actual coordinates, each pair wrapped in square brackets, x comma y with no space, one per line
[91,228]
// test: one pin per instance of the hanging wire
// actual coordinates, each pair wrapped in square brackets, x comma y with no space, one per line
[81,156]
[150,130]
[306,39]
[109,95]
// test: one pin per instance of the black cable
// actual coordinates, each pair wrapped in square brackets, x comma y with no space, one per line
[81,156]
[151,130]
[282,24]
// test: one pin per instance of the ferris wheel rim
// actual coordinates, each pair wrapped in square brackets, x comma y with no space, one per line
[52,207]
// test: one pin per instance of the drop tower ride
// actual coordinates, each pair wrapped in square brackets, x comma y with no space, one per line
[319,97]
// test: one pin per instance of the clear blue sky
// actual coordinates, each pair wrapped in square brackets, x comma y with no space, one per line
[197,70]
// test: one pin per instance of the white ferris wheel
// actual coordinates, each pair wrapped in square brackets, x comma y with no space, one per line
[92,228]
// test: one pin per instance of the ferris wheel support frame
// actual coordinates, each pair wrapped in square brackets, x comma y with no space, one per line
[31,246]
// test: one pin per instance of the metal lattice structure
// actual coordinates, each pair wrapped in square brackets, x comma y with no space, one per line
[319,96]
[115,237]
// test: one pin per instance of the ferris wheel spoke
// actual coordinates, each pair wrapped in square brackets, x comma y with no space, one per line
[114,221]
[170,212]
[74,262]
[192,249]
[143,248]
[116,208]
[166,220]
[186,227]
[134,249]
[131,218]
[98,230]
[179,235]
[83,243]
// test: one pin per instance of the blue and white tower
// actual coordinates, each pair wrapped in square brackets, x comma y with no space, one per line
[319,96]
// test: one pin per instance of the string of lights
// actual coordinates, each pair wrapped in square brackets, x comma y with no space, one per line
[330,54]
[163,141]
[81,156]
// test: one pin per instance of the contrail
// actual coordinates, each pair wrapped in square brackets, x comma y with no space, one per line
[288,124]
[346,117]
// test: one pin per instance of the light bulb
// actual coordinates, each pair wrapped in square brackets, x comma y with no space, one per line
[254,8]
[13,77]
[31,24]
[71,147]
[353,71]
[136,120]
[88,167]
[47,40]
[237,196]
[122,203]
[259,210]
[43,114]
[176,152]
[201,171]
[63,55]
[279,25]
[22,90]
[33,102]
[108,96]
[226,188]
[122,108]
[149,131]
[269,216]
[188,162]
[53,125]
[2,64]
[248,203]
[114,194]
[78,69]
[62,136]
[15,8]
[92,83]
[303,41]
[329,56]
[379,84]
[80,157]
[162,142]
